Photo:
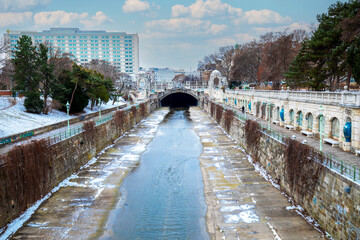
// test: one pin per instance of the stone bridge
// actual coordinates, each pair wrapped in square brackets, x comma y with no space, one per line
[179,97]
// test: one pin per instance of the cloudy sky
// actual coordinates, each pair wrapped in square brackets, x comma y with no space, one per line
[172,33]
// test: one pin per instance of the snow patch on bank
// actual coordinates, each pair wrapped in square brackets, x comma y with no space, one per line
[15,120]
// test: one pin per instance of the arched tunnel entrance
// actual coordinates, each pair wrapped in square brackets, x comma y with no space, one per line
[176,100]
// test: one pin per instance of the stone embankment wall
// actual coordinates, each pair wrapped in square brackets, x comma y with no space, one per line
[331,199]
[30,171]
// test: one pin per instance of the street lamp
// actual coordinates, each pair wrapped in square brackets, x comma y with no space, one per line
[269,114]
[67,110]
[99,108]
[117,102]
[321,109]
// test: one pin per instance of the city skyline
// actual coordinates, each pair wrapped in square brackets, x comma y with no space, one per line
[174,34]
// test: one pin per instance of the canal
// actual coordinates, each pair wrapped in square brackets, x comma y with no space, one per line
[163,197]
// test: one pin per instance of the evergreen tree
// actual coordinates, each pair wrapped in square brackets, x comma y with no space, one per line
[45,73]
[326,58]
[25,75]
[353,59]
[33,102]
[63,91]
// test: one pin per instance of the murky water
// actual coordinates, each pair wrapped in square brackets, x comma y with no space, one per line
[163,198]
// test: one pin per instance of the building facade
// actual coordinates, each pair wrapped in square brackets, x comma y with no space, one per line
[118,48]
[309,112]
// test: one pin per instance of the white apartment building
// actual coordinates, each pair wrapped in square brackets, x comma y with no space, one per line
[118,48]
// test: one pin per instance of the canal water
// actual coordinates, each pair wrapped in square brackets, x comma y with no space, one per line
[163,197]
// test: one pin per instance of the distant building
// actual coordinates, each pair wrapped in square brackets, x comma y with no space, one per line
[163,75]
[118,48]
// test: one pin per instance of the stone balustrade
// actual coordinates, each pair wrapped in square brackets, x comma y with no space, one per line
[347,99]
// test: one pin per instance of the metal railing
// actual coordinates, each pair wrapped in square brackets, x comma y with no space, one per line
[58,137]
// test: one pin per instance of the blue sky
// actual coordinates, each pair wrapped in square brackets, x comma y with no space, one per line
[172,33]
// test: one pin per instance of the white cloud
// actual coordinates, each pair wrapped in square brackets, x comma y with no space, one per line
[291,27]
[97,20]
[244,37]
[66,18]
[21,4]
[224,41]
[186,25]
[207,8]
[14,18]
[231,40]
[135,6]
[156,35]
[216,29]
[179,24]
[262,17]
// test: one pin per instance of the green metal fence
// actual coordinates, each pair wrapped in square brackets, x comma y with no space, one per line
[103,119]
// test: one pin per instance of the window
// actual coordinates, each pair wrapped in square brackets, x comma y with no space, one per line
[291,116]
[310,121]
[300,118]
[335,126]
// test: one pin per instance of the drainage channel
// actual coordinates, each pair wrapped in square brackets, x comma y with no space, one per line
[163,198]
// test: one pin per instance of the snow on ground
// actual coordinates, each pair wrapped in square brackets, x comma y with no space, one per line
[15,120]
[4,102]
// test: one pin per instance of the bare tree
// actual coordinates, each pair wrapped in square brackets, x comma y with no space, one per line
[6,66]
[6,74]
[225,56]
[279,50]
[105,68]
[245,62]
[221,61]
[4,50]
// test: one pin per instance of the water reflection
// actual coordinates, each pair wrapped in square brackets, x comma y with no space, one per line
[163,198]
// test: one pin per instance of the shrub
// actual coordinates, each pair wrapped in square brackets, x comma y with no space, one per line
[229,118]
[89,130]
[142,110]
[252,136]
[134,112]
[302,172]
[219,113]
[33,103]
[119,119]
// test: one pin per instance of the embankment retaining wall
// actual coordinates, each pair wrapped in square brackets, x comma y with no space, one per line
[29,172]
[331,199]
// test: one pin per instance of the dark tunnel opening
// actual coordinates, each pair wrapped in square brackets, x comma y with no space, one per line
[179,100]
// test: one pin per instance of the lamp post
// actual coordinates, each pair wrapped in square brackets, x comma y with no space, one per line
[99,108]
[321,109]
[117,102]
[269,114]
[67,110]
[244,102]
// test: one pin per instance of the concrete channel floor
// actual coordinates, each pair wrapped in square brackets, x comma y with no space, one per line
[241,203]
